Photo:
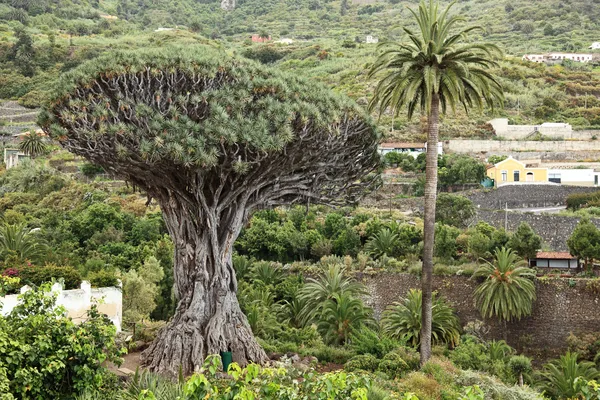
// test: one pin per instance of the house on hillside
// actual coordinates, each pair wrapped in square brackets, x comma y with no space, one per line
[514,171]
[12,157]
[284,41]
[414,149]
[554,259]
[574,177]
[260,39]
[595,46]
[552,58]
[372,39]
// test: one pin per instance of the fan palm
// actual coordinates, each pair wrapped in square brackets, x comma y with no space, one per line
[508,290]
[16,240]
[33,144]
[436,68]
[403,320]
[330,282]
[385,242]
[559,377]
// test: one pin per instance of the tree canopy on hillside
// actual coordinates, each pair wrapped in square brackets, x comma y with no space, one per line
[212,138]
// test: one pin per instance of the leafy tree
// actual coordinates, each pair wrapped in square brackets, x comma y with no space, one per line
[403,320]
[33,144]
[565,378]
[21,243]
[220,157]
[23,53]
[584,242]
[525,242]
[519,366]
[45,355]
[436,68]
[445,241]
[454,210]
[140,289]
[508,290]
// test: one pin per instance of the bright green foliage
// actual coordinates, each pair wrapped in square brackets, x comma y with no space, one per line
[508,291]
[445,241]
[140,289]
[584,242]
[525,242]
[21,243]
[435,60]
[454,210]
[45,355]
[38,275]
[369,341]
[559,378]
[33,144]
[403,320]
[519,366]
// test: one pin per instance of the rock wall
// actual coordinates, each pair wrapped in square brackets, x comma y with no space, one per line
[548,150]
[563,306]
[554,229]
[525,196]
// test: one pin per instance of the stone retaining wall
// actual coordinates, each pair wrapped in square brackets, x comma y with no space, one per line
[563,306]
[526,196]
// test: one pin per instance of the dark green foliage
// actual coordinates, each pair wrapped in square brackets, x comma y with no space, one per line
[266,54]
[91,170]
[36,276]
[525,242]
[584,242]
[564,378]
[363,362]
[454,210]
[369,341]
[47,356]
[393,365]
[580,200]
[445,241]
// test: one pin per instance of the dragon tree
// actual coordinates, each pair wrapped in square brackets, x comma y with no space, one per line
[211,138]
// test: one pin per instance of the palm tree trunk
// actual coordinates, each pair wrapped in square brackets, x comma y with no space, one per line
[431,178]
[520,379]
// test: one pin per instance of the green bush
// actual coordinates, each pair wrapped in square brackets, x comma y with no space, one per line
[364,362]
[104,278]
[580,200]
[330,354]
[47,356]
[36,276]
[368,341]
[393,365]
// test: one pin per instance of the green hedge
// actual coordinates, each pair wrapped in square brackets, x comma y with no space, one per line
[36,276]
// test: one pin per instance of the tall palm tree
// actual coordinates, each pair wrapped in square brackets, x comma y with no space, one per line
[436,68]
[508,290]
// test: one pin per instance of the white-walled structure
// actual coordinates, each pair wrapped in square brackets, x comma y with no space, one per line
[372,39]
[558,57]
[595,46]
[414,149]
[78,302]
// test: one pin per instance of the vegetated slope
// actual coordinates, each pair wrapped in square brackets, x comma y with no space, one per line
[328,46]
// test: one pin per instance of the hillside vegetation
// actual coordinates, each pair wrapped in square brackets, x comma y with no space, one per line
[41,39]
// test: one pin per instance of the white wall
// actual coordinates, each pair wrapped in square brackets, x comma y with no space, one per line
[541,263]
[580,176]
[77,302]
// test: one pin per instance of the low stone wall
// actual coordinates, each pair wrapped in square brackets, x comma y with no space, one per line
[562,307]
[554,229]
[77,302]
[525,196]
[509,147]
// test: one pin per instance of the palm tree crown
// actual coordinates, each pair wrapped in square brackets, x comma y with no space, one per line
[508,290]
[436,60]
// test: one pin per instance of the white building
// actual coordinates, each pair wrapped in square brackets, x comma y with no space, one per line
[372,39]
[574,177]
[557,57]
[595,46]
[552,259]
[12,157]
[284,41]
[414,149]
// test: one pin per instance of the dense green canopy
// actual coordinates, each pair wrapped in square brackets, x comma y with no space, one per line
[194,111]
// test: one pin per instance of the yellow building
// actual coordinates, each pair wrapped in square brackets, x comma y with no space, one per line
[511,170]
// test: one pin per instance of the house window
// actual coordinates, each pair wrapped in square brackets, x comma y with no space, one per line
[504,176]
[516,175]
[529,177]
[555,177]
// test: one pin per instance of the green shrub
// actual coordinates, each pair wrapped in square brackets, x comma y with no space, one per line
[36,276]
[47,356]
[104,278]
[580,200]
[393,365]
[330,354]
[368,341]
[364,362]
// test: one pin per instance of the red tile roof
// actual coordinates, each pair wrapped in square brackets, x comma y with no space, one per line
[555,255]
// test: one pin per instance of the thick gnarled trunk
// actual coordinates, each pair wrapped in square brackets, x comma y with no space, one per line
[208,318]
[429,226]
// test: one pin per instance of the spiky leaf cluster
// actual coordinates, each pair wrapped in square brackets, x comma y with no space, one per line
[199,117]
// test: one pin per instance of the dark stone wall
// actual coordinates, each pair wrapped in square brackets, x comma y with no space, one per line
[554,229]
[525,196]
[563,306]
